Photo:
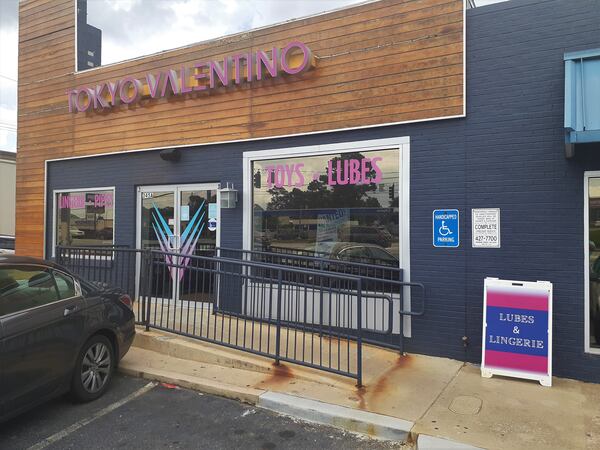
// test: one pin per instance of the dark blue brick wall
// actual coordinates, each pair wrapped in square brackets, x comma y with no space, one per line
[507,153]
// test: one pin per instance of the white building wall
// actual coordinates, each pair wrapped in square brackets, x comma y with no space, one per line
[8,179]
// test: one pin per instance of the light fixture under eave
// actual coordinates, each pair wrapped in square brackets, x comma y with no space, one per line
[228,196]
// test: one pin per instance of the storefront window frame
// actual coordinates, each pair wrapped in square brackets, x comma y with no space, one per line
[402,144]
[586,263]
[56,192]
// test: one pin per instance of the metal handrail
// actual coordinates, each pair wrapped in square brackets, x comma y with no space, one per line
[233,275]
[398,283]
[311,258]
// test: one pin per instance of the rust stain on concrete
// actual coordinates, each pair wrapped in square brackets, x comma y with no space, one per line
[279,374]
[360,397]
[383,385]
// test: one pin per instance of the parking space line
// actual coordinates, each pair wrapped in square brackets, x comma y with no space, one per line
[82,423]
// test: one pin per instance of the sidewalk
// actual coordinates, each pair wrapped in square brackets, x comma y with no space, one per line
[426,396]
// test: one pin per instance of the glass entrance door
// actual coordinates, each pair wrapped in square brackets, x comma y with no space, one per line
[182,220]
[197,236]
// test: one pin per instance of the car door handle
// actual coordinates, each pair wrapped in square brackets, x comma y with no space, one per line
[70,310]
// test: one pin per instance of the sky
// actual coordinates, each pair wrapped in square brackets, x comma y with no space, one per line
[132,28]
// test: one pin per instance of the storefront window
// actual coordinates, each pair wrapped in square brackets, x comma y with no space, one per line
[594,266]
[341,206]
[85,218]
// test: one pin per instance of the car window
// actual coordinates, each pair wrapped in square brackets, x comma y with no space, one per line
[6,243]
[65,285]
[24,287]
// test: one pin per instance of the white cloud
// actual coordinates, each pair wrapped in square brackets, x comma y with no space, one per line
[134,28]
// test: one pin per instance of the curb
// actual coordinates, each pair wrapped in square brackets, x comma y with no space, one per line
[243,394]
[371,424]
[426,442]
[368,423]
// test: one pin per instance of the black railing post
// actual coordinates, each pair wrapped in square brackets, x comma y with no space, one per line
[359,334]
[401,325]
[146,276]
[278,332]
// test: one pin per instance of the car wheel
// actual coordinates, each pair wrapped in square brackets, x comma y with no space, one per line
[94,369]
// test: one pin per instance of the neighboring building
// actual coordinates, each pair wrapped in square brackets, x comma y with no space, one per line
[359,132]
[8,183]
[89,40]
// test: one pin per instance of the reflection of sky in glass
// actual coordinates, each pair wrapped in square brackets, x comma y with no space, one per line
[160,199]
[389,165]
[594,188]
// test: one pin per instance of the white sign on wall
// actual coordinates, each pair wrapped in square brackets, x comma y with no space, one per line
[485,224]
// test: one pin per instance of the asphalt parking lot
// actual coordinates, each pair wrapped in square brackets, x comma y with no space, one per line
[135,414]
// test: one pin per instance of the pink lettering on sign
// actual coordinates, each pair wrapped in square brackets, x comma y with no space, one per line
[231,70]
[101,200]
[285,175]
[339,173]
[72,201]
[80,201]
[354,171]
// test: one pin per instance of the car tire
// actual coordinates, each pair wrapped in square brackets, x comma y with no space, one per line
[93,370]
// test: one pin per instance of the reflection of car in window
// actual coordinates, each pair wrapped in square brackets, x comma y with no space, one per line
[76,233]
[363,253]
[366,235]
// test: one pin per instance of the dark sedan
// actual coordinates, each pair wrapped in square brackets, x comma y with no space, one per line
[58,334]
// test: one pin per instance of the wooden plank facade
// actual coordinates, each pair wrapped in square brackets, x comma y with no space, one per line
[382,62]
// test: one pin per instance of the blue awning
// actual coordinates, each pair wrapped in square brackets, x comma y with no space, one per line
[582,97]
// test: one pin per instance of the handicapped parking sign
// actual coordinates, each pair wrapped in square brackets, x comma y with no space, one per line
[445,228]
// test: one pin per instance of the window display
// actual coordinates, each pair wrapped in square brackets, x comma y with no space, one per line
[85,218]
[341,206]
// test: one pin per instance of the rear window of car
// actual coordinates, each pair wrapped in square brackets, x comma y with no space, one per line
[65,285]
[25,287]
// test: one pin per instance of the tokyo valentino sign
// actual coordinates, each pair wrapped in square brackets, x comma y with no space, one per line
[234,70]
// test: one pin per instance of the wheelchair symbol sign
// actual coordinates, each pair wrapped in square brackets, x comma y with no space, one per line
[445,228]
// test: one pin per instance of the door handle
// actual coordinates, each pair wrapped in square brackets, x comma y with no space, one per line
[69,310]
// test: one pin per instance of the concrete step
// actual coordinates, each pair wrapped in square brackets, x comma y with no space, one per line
[203,377]
[204,352]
